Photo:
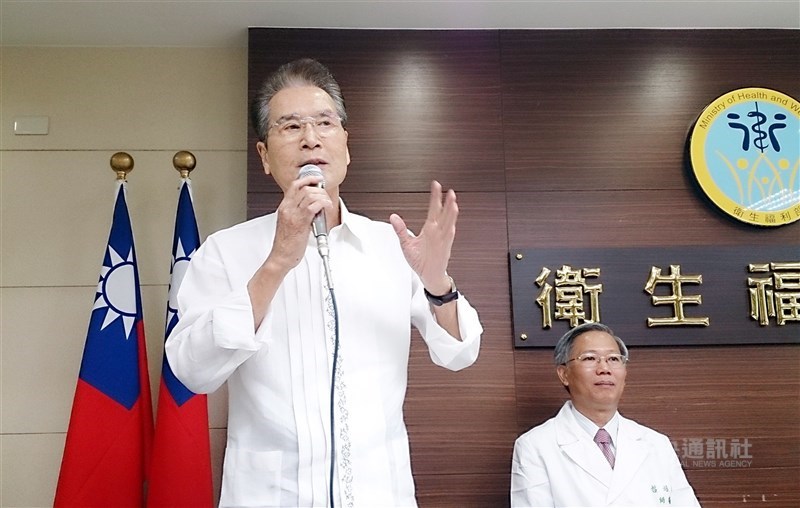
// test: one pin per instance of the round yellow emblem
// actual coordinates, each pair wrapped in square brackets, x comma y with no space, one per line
[744,150]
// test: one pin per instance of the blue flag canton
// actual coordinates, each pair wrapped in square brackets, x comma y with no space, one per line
[186,241]
[111,354]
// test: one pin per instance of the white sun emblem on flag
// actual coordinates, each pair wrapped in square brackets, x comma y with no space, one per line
[180,264]
[116,291]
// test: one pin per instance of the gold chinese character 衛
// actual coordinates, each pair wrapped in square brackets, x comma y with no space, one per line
[569,289]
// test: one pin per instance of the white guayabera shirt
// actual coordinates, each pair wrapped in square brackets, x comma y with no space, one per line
[278,451]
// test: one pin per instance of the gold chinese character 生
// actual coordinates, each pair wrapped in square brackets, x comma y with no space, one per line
[783,301]
[570,288]
[677,299]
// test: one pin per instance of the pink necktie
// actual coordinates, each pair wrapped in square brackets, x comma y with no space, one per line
[603,440]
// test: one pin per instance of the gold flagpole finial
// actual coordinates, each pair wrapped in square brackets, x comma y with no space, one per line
[184,163]
[122,164]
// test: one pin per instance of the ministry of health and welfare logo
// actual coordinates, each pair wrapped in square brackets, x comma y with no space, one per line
[745,153]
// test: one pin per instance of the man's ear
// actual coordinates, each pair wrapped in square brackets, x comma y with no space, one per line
[261,147]
[561,370]
[346,146]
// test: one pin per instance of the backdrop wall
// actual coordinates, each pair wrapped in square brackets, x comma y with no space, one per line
[570,139]
[57,193]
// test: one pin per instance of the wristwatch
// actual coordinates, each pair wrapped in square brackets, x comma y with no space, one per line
[445,298]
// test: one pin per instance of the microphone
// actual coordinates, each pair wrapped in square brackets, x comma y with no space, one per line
[319,226]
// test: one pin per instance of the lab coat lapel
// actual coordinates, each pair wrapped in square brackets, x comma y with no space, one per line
[575,443]
[632,450]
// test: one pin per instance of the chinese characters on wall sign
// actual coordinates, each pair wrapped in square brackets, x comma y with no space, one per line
[677,299]
[711,287]
[570,288]
[782,302]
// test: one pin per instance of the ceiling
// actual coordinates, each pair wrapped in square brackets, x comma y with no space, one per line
[223,23]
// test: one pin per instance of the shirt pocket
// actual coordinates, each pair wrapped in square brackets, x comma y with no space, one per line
[251,478]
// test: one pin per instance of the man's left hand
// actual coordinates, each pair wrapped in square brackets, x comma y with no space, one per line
[428,253]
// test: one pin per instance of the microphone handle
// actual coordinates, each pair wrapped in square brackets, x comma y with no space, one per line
[320,228]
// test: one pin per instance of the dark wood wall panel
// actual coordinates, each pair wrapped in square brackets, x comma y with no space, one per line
[590,218]
[774,487]
[557,138]
[463,491]
[611,109]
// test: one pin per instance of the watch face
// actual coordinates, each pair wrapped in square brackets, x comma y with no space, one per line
[745,152]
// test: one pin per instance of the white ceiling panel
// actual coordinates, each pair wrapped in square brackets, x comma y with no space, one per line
[223,23]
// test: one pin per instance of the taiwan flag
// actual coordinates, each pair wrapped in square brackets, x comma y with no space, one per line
[111,426]
[181,467]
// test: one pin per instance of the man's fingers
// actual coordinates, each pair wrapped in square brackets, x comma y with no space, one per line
[435,201]
[399,226]
[449,212]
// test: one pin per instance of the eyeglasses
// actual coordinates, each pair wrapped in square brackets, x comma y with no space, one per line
[291,127]
[592,360]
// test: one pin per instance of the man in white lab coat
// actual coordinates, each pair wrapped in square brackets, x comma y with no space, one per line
[589,454]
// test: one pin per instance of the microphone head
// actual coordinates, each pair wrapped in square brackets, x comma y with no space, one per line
[312,170]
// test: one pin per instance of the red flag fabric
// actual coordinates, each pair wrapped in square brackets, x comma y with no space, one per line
[111,426]
[181,466]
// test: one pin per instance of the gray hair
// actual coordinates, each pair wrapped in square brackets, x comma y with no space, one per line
[303,72]
[564,344]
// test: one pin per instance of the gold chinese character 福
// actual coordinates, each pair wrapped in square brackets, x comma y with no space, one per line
[782,302]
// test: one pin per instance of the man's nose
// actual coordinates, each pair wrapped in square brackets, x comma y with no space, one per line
[310,137]
[603,365]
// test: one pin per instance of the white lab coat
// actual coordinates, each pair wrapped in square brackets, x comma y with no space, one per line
[558,464]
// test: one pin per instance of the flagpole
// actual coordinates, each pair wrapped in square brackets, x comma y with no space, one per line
[122,164]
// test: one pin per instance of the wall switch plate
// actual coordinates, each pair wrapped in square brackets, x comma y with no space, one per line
[31,125]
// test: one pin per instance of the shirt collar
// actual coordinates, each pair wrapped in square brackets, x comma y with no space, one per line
[591,428]
[352,223]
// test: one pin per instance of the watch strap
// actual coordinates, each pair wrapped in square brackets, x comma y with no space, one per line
[445,298]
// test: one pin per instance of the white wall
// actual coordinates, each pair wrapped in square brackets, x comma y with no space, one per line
[56,193]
